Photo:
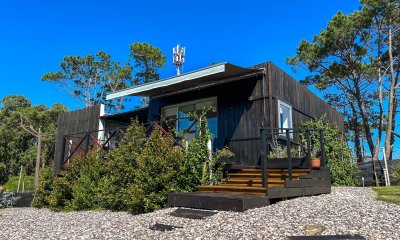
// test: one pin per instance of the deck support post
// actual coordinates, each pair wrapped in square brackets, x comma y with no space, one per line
[322,142]
[308,147]
[264,147]
[289,154]
[87,143]
[60,163]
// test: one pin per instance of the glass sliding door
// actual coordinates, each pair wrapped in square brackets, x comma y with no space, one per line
[179,116]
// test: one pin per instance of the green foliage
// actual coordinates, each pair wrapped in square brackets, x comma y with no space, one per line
[122,164]
[157,173]
[201,162]
[60,195]
[17,147]
[343,170]
[90,78]
[349,62]
[136,176]
[87,186]
[12,184]
[148,60]
[396,172]
[45,187]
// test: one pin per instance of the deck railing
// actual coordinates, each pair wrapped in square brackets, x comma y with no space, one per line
[80,143]
[108,139]
[269,137]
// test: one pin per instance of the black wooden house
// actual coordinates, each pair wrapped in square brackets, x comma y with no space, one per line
[239,100]
[242,100]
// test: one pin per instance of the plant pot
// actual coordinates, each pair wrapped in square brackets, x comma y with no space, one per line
[315,163]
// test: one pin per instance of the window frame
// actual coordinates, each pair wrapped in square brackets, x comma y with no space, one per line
[193,102]
[290,124]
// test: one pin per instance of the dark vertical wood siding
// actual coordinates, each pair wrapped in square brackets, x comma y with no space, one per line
[79,121]
[306,105]
[240,114]
[241,104]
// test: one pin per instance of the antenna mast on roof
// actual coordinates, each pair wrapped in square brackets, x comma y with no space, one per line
[178,58]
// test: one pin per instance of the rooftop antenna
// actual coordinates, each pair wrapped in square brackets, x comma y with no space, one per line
[178,58]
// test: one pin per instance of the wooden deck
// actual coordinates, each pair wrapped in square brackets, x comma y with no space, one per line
[242,189]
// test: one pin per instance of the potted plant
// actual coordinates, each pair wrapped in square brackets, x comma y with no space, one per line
[315,160]
[225,156]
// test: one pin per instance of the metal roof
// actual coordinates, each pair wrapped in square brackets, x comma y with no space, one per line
[205,77]
[127,116]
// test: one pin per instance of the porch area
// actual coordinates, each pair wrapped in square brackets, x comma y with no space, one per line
[247,187]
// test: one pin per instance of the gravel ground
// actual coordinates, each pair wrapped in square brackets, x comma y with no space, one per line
[344,211]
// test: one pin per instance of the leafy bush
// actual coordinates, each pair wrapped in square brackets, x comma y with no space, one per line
[12,184]
[121,164]
[60,195]
[201,163]
[136,176]
[157,173]
[87,182]
[396,172]
[343,170]
[45,187]
[7,199]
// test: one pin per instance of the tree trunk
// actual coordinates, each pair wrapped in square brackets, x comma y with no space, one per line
[357,135]
[38,154]
[366,126]
[388,147]
[357,142]
[393,128]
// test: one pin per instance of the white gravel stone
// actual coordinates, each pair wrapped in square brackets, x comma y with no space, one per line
[345,211]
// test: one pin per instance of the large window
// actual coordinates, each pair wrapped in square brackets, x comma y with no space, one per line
[284,117]
[177,115]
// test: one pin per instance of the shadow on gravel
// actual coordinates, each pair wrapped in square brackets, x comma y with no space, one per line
[192,213]
[328,237]
[163,227]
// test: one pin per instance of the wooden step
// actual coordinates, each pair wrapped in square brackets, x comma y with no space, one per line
[259,175]
[254,182]
[255,170]
[232,189]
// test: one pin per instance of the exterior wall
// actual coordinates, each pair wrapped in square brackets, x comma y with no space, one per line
[244,106]
[79,121]
[239,116]
[306,105]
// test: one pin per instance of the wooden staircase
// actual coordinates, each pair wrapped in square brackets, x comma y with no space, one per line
[249,181]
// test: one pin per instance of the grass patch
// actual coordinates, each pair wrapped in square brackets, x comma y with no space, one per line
[388,194]
[12,184]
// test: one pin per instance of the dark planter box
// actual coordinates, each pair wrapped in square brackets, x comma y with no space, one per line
[25,200]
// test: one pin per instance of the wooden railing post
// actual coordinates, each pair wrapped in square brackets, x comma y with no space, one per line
[289,154]
[322,142]
[308,147]
[87,143]
[60,163]
[264,146]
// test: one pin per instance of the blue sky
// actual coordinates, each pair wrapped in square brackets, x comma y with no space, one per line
[36,35]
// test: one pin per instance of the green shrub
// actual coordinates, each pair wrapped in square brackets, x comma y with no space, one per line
[87,185]
[201,168]
[60,195]
[157,173]
[343,170]
[396,172]
[136,176]
[12,184]
[78,187]
[121,164]
[45,187]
